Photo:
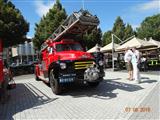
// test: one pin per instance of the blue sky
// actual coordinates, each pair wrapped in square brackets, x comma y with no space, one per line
[131,11]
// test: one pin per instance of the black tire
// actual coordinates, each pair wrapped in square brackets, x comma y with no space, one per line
[93,84]
[54,84]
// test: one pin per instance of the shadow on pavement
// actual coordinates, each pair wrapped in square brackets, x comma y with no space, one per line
[22,98]
[115,79]
[105,90]
[148,81]
[144,78]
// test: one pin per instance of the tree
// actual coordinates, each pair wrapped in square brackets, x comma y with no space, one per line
[128,32]
[13,26]
[49,23]
[92,38]
[150,27]
[118,29]
[107,37]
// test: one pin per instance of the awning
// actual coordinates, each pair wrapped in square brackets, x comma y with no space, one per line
[157,43]
[109,47]
[94,49]
[135,42]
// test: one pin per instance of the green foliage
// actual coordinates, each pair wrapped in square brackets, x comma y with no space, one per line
[107,37]
[92,38]
[128,32]
[49,23]
[150,27]
[13,26]
[121,30]
[118,29]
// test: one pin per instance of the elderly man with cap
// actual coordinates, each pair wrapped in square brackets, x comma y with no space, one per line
[127,59]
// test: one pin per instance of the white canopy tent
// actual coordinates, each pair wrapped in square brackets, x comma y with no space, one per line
[135,42]
[156,43]
[94,49]
[109,46]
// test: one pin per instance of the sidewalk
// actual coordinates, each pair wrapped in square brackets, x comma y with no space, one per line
[35,100]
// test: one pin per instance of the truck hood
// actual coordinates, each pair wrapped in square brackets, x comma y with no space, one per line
[73,55]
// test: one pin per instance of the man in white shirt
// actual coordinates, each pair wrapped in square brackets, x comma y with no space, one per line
[127,59]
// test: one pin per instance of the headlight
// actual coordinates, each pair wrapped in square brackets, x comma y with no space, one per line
[101,63]
[63,65]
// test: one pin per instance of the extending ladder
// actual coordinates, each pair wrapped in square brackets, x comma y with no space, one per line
[77,23]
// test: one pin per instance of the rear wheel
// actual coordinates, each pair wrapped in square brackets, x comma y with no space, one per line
[55,86]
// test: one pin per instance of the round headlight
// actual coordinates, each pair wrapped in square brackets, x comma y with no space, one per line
[101,63]
[63,65]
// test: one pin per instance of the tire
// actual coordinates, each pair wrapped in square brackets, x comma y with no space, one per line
[54,84]
[93,84]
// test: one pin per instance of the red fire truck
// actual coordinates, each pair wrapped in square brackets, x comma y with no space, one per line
[63,59]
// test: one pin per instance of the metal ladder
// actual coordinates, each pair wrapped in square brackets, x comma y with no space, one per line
[77,23]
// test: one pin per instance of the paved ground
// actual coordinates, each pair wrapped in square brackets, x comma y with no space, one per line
[114,98]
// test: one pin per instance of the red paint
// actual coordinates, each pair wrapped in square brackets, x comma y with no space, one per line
[47,58]
[1,62]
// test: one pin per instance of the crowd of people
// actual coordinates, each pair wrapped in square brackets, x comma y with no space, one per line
[132,61]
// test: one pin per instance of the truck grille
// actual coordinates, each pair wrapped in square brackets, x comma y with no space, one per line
[82,64]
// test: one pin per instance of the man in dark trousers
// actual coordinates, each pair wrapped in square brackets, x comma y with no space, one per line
[99,56]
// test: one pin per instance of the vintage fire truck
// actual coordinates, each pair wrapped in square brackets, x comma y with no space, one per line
[64,60]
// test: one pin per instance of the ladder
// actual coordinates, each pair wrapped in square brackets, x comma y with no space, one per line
[76,24]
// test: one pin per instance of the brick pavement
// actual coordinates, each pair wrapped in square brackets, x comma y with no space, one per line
[35,100]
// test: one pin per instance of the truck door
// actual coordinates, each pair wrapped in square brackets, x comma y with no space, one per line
[45,63]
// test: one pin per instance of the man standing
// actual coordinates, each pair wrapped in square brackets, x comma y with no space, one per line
[135,62]
[127,59]
[99,56]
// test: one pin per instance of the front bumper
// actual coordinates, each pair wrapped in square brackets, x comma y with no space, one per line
[77,76]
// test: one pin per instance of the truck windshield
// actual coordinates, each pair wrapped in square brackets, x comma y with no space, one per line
[68,47]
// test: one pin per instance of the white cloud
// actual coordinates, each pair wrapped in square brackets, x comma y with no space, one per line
[42,8]
[151,5]
[134,26]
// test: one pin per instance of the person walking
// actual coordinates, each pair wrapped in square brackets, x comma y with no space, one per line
[135,62]
[127,59]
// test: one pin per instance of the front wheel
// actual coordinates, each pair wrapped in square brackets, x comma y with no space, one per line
[55,86]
